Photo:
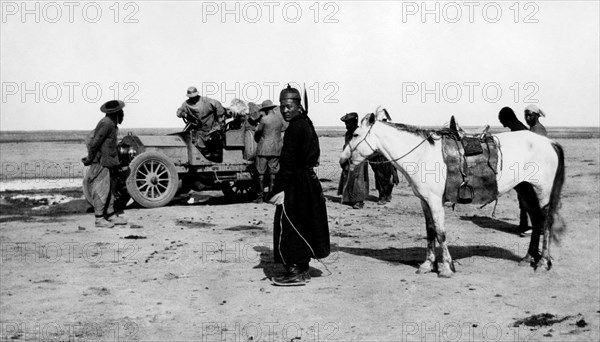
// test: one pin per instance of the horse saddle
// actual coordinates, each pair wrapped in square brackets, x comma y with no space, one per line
[471,159]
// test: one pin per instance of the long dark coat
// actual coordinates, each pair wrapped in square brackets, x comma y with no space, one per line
[353,186]
[385,175]
[302,220]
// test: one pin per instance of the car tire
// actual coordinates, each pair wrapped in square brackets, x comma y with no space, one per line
[153,180]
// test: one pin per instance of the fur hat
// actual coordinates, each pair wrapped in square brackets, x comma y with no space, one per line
[290,93]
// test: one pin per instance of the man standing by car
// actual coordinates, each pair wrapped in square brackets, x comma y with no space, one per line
[301,230]
[207,116]
[268,135]
[103,160]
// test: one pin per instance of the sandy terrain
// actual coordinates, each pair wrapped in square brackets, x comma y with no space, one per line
[201,272]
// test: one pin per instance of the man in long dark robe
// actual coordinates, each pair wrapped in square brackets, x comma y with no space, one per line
[301,231]
[354,185]
[508,119]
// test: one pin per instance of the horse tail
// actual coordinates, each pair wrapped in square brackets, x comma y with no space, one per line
[554,204]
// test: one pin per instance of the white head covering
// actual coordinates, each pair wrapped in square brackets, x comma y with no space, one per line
[534,109]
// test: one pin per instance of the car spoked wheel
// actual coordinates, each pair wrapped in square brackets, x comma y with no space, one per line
[153,180]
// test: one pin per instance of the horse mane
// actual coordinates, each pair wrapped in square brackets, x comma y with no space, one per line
[424,133]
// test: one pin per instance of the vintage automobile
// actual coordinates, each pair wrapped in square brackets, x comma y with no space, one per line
[156,168]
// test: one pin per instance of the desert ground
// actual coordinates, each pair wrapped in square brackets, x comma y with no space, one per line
[202,272]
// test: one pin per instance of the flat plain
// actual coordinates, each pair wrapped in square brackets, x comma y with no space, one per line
[201,272]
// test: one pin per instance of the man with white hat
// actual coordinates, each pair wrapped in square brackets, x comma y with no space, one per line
[532,116]
[207,115]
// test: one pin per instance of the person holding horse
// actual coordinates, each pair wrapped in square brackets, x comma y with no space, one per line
[354,184]
[507,118]
[406,145]
[532,117]
[301,230]
[386,175]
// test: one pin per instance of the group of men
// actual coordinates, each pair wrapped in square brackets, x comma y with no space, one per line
[265,122]
[354,182]
[301,230]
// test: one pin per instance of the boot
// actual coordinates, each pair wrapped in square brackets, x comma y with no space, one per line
[101,222]
[271,182]
[261,189]
[382,198]
[116,220]
[523,223]
[358,205]
[292,277]
[304,268]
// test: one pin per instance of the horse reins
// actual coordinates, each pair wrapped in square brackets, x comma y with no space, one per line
[386,161]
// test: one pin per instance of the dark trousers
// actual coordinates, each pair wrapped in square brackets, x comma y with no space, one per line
[523,223]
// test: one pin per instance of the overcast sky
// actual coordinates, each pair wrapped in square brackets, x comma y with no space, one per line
[61,60]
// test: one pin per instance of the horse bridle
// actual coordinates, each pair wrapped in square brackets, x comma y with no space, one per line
[364,139]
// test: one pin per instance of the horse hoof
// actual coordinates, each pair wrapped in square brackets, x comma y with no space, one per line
[423,270]
[446,270]
[445,274]
[544,265]
[526,261]
[425,267]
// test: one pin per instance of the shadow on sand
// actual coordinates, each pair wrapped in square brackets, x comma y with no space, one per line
[272,269]
[413,256]
[489,222]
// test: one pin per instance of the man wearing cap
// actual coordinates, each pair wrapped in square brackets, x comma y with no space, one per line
[354,185]
[532,117]
[268,136]
[301,230]
[207,115]
[507,118]
[103,160]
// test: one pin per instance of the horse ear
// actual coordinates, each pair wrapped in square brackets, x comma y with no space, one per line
[372,118]
[378,113]
[387,115]
[453,123]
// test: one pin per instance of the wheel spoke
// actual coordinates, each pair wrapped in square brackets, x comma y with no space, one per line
[162,173]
